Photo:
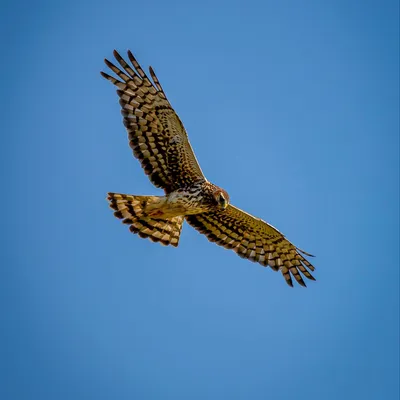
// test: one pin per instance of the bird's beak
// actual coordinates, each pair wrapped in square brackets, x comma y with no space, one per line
[224,204]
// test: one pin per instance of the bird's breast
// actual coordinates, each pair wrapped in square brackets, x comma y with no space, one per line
[187,202]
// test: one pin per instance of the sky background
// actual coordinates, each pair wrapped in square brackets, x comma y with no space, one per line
[290,106]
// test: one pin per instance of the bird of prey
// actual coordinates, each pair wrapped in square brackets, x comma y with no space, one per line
[160,142]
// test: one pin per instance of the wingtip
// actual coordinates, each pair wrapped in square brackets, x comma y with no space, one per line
[302,283]
[117,55]
[133,59]
[109,63]
[304,252]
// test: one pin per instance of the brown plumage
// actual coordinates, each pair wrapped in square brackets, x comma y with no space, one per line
[160,142]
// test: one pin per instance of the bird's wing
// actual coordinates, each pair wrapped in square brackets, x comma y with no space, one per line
[156,134]
[254,239]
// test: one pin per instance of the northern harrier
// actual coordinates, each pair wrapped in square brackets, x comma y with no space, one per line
[159,140]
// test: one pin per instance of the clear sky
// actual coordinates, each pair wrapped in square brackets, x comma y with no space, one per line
[292,107]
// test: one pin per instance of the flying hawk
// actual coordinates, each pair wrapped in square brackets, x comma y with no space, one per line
[159,140]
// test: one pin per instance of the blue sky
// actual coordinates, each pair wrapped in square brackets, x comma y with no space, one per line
[292,107]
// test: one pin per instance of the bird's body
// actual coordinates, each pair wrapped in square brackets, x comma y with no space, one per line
[197,198]
[159,140]
[194,199]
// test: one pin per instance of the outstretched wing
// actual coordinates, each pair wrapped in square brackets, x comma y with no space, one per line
[254,239]
[156,134]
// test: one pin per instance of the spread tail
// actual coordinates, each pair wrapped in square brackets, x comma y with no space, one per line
[132,210]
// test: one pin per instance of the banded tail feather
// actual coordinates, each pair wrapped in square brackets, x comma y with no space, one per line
[133,210]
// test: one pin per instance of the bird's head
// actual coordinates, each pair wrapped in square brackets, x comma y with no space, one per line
[221,198]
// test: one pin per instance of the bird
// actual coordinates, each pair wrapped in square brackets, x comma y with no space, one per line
[160,142]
